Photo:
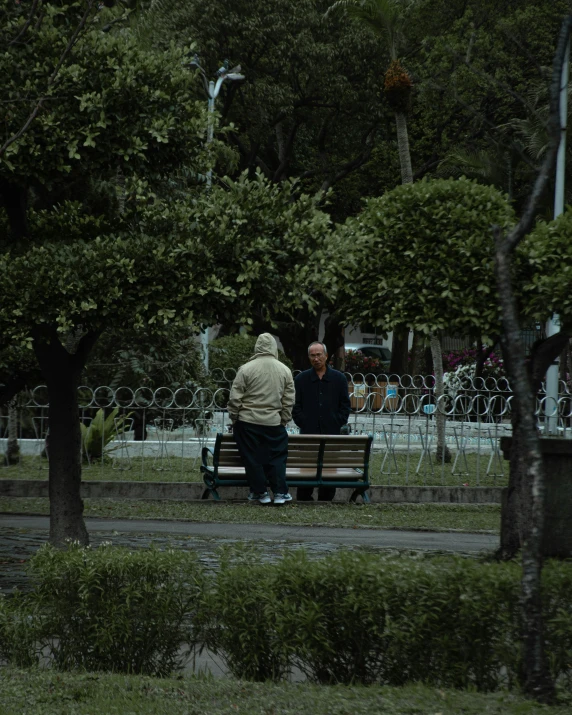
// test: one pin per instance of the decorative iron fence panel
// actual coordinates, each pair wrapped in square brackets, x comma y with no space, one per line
[158,435]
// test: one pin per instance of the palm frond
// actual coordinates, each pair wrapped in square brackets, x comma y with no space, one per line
[485,165]
[385,18]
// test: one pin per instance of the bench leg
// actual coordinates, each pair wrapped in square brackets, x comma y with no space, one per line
[360,492]
[210,489]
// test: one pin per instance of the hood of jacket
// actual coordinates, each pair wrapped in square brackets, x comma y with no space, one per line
[265,345]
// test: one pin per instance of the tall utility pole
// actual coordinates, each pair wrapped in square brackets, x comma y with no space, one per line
[212,89]
[553,324]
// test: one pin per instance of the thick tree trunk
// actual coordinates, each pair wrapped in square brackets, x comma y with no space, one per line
[516,515]
[399,352]
[443,452]
[529,483]
[66,505]
[62,372]
[538,682]
[514,520]
[403,148]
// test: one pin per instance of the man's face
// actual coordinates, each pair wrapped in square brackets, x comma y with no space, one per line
[318,357]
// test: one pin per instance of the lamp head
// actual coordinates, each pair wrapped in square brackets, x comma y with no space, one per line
[221,72]
[195,62]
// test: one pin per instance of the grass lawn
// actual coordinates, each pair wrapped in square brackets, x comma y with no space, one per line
[50,693]
[177,469]
[435,517]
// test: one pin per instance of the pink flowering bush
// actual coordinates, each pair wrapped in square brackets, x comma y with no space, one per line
[357,362]
[467,357]
[459,367]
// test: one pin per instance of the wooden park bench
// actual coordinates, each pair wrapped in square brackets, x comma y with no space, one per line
[314,460]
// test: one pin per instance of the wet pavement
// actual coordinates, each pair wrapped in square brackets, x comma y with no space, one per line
[22,535]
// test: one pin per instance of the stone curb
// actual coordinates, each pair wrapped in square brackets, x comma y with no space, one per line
[193,491]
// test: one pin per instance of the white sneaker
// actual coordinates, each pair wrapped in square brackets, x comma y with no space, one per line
[282,498]
[263,498]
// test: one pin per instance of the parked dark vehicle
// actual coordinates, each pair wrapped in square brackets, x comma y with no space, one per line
[379,352]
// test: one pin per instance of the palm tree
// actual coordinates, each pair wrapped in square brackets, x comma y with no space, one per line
[387,19]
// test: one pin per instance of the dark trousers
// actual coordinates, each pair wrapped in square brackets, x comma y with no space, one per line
[324,493]
[264,450]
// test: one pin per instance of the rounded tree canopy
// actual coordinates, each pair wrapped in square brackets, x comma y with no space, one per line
[547,253]
[243,249]
[114,106]
[422,256]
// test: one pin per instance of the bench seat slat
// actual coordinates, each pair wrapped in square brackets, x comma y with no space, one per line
[293,473]
[339,462]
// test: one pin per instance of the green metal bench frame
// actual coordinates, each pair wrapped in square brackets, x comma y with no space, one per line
[321,462]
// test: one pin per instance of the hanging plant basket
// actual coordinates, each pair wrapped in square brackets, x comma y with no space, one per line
[397,87]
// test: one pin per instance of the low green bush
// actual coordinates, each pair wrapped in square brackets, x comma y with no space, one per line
[352,618]
[453,623]
[116,610]
[20,631]
[557,605]
[332,617]
[360,618]
[240,619]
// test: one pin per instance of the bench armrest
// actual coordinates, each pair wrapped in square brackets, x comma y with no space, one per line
[205,457]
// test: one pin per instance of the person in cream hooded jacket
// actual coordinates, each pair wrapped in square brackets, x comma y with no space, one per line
[260,405]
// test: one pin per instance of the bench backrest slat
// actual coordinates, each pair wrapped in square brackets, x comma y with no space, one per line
[350,451]
[312,460]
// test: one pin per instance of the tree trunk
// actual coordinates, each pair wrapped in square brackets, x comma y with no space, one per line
[295,340]
[529,483]
[417,365]
[483,354]
[516,514]
[399,364]
[400,343]
[403,148]
[12,455]
[564,363]
[62,372]
[440,417]
[514,520]
[538,682]
[335,341]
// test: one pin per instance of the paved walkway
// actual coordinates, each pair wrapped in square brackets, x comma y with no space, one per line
[22,535]
[456,542]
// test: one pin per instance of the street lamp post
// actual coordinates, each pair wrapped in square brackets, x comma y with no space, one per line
[553,324]
[212,89]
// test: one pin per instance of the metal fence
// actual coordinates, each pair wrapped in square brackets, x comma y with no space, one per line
[158,434]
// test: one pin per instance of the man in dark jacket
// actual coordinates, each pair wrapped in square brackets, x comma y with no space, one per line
[322,406]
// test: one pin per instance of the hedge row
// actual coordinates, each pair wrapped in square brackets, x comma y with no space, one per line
[348,618]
